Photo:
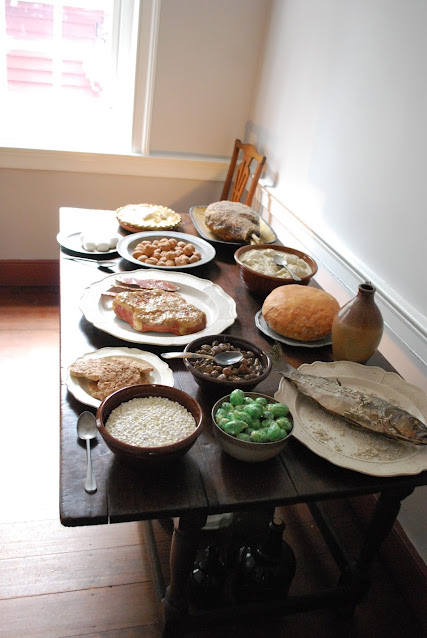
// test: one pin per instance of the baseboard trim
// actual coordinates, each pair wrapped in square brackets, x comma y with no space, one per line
[401,558]
[28,272]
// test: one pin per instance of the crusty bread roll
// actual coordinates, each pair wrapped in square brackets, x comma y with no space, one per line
[300,312]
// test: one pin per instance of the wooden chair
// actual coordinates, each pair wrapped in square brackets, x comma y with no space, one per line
[242,175]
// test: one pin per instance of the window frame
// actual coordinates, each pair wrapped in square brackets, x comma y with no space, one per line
[138,161]
[129,18]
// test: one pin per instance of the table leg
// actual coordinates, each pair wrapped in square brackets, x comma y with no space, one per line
[382,520]
[182,555]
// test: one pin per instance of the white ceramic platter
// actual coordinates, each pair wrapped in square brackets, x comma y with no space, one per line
[197,214]
[73,243]
[262,325]
[220,308]
[162,373]
[127,245]
[342,444]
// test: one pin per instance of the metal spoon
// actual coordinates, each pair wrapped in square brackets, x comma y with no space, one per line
[226,358]
[99,263]
[281,261]
[86,429]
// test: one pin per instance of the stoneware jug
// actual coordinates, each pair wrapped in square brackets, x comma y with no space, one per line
[358,327]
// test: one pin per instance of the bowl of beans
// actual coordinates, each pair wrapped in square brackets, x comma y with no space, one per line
[149,424]
[250,426]
[254,367]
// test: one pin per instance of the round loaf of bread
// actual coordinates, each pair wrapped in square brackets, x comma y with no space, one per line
[300,312]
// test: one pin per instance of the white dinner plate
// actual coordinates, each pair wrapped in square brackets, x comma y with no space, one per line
[161,374]
[262,325]
[127,245]
[73,243]
[220,308]
[342,444]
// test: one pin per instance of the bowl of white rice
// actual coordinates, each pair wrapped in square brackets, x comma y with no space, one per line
[149,424]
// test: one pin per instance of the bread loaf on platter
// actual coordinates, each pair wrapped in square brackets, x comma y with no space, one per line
[299,312]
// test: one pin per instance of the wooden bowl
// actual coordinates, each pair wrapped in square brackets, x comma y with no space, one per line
[261,284]
[247,450]
[138,455]
[222,385]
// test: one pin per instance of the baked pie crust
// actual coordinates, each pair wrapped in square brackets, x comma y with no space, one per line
[140,217]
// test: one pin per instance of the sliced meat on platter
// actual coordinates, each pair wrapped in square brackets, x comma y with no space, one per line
[135,282]
[155,310]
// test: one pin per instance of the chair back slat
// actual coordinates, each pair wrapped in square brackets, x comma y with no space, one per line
[243,173]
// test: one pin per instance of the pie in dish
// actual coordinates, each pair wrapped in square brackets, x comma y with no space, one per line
[140,217]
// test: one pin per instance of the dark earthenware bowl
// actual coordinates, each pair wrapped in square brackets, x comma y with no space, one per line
[148,455]
[209,382]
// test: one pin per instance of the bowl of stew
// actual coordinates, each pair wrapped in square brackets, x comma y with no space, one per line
[254,367]
[261,275]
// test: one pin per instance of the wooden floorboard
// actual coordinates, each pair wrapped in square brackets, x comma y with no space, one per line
[95,581]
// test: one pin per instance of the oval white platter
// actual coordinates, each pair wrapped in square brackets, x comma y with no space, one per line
[161,374]
[220,308]
[339,442]
[127,245]
[198,213]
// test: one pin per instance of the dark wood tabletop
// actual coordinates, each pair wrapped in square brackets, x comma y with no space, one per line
[205,480]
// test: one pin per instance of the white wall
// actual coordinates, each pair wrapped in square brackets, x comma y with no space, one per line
[30,202]
[340,115]
[206,67]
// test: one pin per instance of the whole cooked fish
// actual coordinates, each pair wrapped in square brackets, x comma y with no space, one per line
[366,411]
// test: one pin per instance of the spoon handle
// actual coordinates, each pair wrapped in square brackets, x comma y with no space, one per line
[293,275]
[90,485]
[185,355]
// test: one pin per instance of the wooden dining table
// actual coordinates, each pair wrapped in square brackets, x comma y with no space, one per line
[206,481]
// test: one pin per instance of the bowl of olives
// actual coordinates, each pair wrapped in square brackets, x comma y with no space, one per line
[253,368]
[250,426]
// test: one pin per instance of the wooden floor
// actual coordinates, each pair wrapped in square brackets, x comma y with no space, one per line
[95,581]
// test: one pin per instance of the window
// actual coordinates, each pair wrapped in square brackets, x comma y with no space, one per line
[68,74]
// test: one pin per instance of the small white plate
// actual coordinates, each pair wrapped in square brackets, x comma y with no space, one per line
[73,243]
[336,440]
[262,325]
[127,245]
[161,374]
[220,308]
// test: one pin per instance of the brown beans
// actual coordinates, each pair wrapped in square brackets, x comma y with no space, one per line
[249,368]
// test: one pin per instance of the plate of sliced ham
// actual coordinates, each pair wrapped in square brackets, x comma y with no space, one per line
[157,308]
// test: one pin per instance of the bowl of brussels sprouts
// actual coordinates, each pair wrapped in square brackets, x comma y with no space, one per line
[250,426]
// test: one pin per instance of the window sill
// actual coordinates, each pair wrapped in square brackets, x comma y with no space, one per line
[202,168]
